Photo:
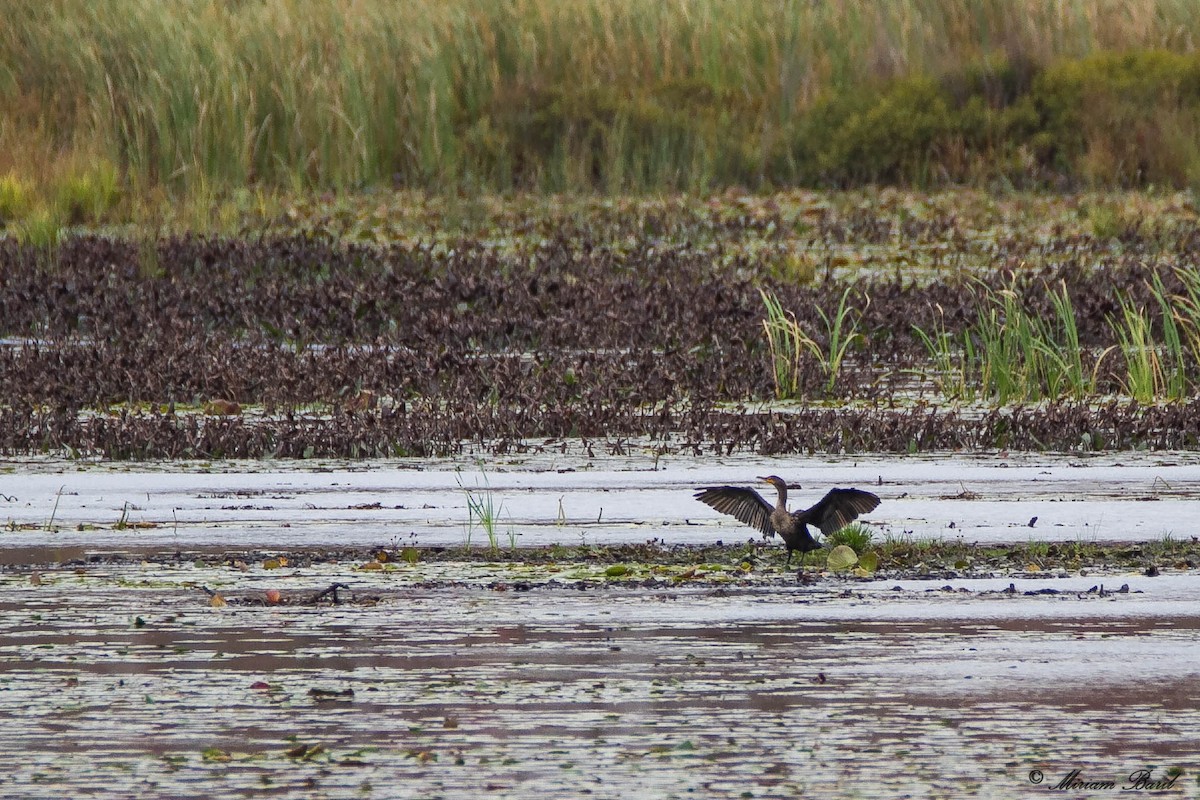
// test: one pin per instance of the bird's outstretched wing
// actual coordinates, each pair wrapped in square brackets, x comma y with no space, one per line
[837,509]
[746,505]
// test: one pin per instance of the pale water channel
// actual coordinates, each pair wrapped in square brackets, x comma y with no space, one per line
[546,499]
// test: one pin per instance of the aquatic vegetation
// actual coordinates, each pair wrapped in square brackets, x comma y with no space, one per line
[578,324]
[857,536]
[789,344]
[1011,354]
[483,511]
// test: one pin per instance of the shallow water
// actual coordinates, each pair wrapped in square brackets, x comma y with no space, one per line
[606,692]
[570,499]
[120,679]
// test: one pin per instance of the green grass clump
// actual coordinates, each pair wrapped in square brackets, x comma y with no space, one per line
[42,229]
[87,195]
[483,511]
[16,197]
[857,536]
[1009,354]
[789,344]
[1019,356]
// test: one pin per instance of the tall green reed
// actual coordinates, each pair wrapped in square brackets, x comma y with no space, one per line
[575,94]
[788,343]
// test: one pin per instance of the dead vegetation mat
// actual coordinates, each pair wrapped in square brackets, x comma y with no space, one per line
[303,346]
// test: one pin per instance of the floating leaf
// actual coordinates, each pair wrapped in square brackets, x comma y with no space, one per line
[842,557]
[273,596]
[869,561]
[617,570]
[372,565]
[305,752]
[222,408]
[217,601]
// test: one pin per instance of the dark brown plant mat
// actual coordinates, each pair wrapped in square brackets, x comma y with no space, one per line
[286,322]
[692,429]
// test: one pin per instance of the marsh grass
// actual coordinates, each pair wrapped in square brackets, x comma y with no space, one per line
[788,343]
[1144,379]
[16,197]
[857,536]
[610,95]
[484,512]
[1158,349]
[1009,354]
[42,229]
[1023,357]
[951,358]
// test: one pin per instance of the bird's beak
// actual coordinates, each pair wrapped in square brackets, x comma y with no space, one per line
[764,479]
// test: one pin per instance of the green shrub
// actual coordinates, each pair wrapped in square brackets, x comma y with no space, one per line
[1121,118]
[895,138]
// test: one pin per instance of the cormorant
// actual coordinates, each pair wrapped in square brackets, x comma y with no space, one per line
[837,509]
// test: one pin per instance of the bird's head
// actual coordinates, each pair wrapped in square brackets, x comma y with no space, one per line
[776,481]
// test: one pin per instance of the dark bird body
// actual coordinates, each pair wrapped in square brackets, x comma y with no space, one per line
[837,509]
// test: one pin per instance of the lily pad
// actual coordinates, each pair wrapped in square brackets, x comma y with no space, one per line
[841,558]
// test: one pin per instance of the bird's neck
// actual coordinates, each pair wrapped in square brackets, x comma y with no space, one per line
[781,503]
